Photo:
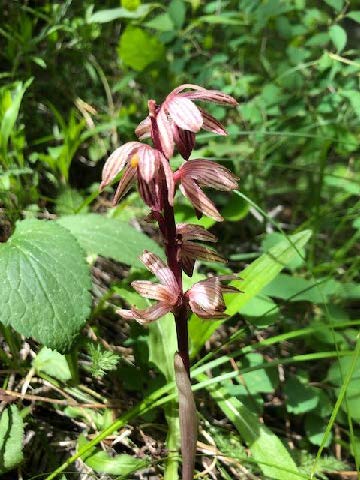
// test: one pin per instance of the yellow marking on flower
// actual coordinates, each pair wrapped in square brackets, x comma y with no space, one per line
[134,160]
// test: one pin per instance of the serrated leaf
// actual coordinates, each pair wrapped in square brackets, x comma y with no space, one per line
[52,363]
[138,49]
[254,278]
[45,283]
[338,37]
[266,448]
[11,438]
[109,237]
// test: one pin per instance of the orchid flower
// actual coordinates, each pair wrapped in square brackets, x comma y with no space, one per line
[145,163]
[167,292]
[178,118]
[208,174]
[206,297]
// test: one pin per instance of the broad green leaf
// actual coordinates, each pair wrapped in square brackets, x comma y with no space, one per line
[123,464]
[162,22]
[354,99]
[236,208]
[221,20]
[338,37]
[298,289]
[138,49]
[355,15]
[335,4]
[45,283]
[315,429]
[52,363]
[300,397]
[336,375]
[177,12]
[11,438]
[266,448]
[104,16]
[109,237]
[260,310]
[272,239]
[254,278]
[69,201]
[260,380]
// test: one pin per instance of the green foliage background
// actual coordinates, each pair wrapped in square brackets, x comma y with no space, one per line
[75,78]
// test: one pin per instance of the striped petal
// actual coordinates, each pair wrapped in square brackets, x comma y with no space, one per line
[116,162]
[143,130]
[147,162]
[147,315]
[210,124]
[207,314]
[207,293]
[156,266]
[165,133]
[184,141]
[209,174]
[200,201]
[201,252]
[187,264]
[185,86]
[155,291]
[214,96]
[189,231]
[125,183]
[185,114]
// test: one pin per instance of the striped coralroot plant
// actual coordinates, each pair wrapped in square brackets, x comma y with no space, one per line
[174,124]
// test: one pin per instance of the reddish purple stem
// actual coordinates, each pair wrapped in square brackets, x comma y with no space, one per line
[171,250]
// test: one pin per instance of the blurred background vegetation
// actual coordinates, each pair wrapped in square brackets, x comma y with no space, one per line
[75,78]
